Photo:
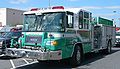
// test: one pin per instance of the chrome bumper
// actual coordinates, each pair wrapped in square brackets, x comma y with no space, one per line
[2,51]
[34,54]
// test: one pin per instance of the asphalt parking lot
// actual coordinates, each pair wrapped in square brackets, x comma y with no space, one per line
[92,61]
[11,63]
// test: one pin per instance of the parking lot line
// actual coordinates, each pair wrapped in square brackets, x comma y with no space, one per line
[26,64]
[26,61]
[2,55]
[13,65]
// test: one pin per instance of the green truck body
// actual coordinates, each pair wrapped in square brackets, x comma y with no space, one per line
[100,20]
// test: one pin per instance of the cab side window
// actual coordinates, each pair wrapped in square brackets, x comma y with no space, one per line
[84,19]
[70,20]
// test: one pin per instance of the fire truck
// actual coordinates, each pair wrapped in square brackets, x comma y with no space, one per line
[59,33]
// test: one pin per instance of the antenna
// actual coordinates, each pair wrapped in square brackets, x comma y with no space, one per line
[49,3]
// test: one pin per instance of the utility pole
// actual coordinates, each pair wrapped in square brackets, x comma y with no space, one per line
[114,19]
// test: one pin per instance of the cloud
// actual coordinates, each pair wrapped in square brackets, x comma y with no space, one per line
[113,7]
[91,7]
[25,8]
[73,0]
[105,15]
[18,1]
[100,7]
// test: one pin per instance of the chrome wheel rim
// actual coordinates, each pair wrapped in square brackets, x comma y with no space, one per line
[78,56]
[109,48]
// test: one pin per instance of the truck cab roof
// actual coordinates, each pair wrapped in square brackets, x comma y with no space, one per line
[40,11]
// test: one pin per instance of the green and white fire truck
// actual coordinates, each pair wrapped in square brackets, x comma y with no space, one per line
[59,33]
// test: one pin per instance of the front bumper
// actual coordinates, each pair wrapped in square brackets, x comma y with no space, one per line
[2,51]
[34,54]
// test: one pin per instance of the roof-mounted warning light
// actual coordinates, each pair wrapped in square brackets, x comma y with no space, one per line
[37,9]
[58,7]
[34,9]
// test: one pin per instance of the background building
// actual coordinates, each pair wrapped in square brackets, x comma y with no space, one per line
[11,17]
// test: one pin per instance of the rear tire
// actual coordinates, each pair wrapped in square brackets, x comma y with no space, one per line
[108,50]
[77,56]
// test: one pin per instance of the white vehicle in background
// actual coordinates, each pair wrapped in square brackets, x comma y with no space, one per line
[9,35]
[117,43]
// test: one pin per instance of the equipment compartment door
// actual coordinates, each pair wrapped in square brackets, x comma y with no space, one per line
[97,37]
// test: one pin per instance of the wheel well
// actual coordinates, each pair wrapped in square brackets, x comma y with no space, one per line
[80,45]
[109,40]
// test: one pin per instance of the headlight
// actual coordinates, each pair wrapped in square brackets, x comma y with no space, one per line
[53,43]
[1,42]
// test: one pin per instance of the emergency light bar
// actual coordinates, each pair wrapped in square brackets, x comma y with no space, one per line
[58,7]
[55,7]
[35,9]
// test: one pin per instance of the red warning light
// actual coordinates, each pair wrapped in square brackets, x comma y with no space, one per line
[34,9]
[58,7]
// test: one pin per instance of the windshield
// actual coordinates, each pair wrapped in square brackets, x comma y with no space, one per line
[44,22]
[52,22]
[29,22]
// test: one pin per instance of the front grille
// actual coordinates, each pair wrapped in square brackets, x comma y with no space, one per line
[33,39]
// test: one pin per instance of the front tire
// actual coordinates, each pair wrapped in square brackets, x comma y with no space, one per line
[77,56]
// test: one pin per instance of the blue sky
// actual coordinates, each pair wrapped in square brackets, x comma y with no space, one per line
[103,8]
